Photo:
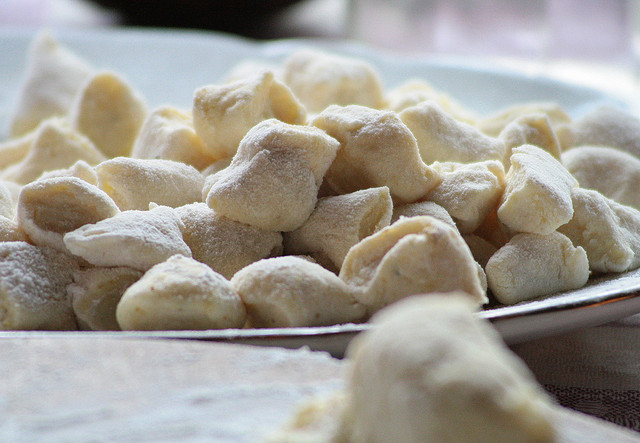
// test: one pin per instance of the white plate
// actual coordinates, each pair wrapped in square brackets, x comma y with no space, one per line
[166,67]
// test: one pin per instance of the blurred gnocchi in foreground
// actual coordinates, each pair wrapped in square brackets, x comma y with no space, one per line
[300,194]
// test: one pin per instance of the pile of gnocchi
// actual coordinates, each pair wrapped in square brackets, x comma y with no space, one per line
[304,194]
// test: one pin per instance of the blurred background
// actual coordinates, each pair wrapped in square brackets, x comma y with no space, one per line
[593,42]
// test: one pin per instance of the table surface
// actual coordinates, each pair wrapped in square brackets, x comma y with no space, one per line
[79,389]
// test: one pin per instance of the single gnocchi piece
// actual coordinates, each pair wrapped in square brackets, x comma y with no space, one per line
[137,239]
[54,77]
[180,293]
[537,195]
[49,208]
[95,293]
[133,183]
[273,181]
[416,91]
[223,114]
[534,265]
[613,173]
[33,281]
[291,291]
[469,192]
[412,256]
[530,129]
[607,230]
[442,138]
[376,149]
[15,149]
[339,222]
[110,112]
[168,134]
[225,245]
[423,208]
[604,126]
[56,145]
[320,79]
[10,231]
[429,371]
[495,123]
[80,169]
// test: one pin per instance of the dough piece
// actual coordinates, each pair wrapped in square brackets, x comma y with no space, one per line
[608,231]
[273,181]
[416,91]
[423,208]
[48,209]
[537,195]
[290,291]
[95,293]
[7,206]
[10,231]
[110,112]
[530,129]
[320,79]
[223,114]
[469,192]
[80,169]
[180,293]
[15,150]
[225,245]
[480,248]
[337,223]
[377,149]
[494,124]
[133,183]
[33,283]
[56,145]
[137,239]
[604,126]
[412,256]
[442,138]
[168,134]
[613,173]
[533,265]
[429,371]
[55,75]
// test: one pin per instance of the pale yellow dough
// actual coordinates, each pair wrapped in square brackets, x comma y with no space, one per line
[320,79]
[33,283]
[54,77]
[110,112]
[537,195]
[95,293]
[612,172]
[168,134]
[469,192]
[225,245]
[180,293]
[530,129]
[429,371]
[442,138]
[495,123]
[412,256]
[291,291]
[273,181]
[49,208]
[56,145]
[533,265]
[224,113]
[607,230]
[133,183]
[137,239]
[376,149]
[339,222]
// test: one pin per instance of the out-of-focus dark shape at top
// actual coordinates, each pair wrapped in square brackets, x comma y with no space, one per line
[244,17]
